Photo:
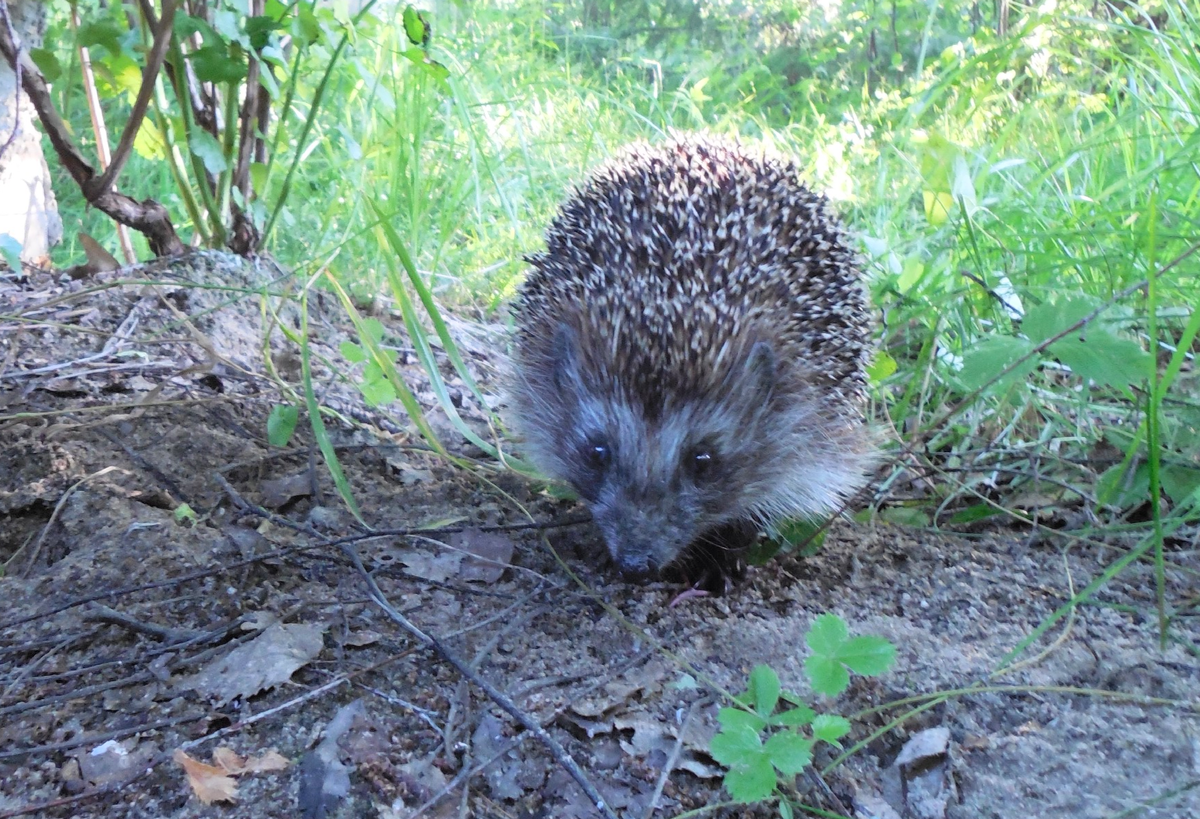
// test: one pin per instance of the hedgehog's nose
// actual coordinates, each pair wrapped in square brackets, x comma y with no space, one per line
[634,567]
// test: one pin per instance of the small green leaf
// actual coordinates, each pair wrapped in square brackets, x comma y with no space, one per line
[737,718]
[1048,319]
[377,393]
[186,25]
[374,329]
[258,176]
[1100,357]
[764,683]
[185,514]
[937,206]
[830,728]
[416,27]
[204,145]
[281,423]
[990,357]
[352,352]
[215,64]
[751,783]
[800,715]
[307,28]
[735,746]
[827,676]
[804,536]
[834,650]
[910,274]
[106,32]
[47,62]
[869,656]
[1180,482]
[827,634]
[149,142]
[259,30]
[977,511]
[785,810]
[905,516]
[880,367]
[1124,489]
[789,752]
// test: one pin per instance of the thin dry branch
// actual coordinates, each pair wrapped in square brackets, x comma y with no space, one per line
[147,217]
[162,38]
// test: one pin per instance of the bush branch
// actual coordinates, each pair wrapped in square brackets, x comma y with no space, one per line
[147,217]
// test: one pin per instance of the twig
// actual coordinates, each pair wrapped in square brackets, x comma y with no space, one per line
[496,695]
[154,61]
[665,774]
[149,217]
[101,613]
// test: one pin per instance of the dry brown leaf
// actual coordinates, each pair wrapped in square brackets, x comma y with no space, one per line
[269,761]
[233,764]
[208,782]
[228,760]
[99,260]
[265,662]
[488,554]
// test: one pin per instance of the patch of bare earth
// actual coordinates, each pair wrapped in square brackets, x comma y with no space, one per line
[131,634]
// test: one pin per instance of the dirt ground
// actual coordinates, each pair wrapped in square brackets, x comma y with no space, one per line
[132,632]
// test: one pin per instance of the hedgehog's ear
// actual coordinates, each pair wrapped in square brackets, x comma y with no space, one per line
[757,378]
[565,352]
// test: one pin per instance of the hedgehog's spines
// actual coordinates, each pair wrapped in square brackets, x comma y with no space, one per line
[670,266]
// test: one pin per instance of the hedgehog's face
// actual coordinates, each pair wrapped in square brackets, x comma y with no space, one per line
[656,481]
[653,488]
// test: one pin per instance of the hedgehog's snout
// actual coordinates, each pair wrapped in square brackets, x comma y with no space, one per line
[633,566]
[641,538]
[628,545]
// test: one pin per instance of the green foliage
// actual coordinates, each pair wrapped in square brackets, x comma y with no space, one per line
[791,729]
[377,390]
[185,515]
[281,424]
[835,653]
[1006,182]
[10,251]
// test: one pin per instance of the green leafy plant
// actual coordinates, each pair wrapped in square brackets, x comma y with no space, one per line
[219,101]
[772,734]
[281,424]
[185,515]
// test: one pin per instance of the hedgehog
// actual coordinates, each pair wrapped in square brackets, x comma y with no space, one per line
[690,352]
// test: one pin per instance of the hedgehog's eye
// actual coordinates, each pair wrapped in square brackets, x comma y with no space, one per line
[702,464]
[597,455]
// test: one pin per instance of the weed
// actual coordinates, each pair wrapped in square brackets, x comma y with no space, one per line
[760,768]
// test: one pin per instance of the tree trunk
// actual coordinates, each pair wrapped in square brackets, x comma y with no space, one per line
[28,210]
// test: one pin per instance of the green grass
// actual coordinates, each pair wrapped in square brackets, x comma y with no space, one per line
[995,181]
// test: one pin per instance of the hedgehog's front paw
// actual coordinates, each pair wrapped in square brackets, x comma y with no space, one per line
[716,562]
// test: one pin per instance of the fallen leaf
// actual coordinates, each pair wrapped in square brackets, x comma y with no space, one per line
[99,260]
[923,764]
[277,492]
[265,662]
[267,762]
[209,782]
[488,554]
[227,760]
[437,568]
[932,742]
